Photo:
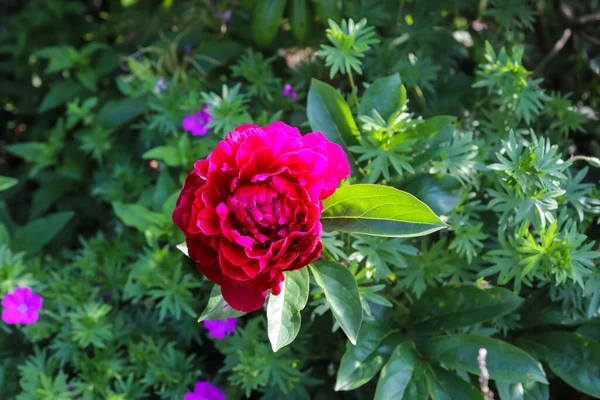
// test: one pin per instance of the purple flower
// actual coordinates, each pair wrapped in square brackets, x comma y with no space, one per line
[220,327]
[226,16]
[197,122]
[160,86]
[288,91]
[21,306]
[187,49]
[478,26]
[205,391]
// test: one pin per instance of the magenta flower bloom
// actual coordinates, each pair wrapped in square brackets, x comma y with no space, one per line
[221,327]
[21,306]
[197,122]
[205,391]
[288,91]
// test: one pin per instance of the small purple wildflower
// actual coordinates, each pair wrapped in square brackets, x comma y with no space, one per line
[21,306]
[478,26]
[226,16]
[221,327]
[187,49]
[160,86]
[288,91]
[205,391]
[197,122]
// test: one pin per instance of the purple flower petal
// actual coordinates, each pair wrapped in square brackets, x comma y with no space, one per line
[197,122]
[21,306]
[218,329]
[205,391]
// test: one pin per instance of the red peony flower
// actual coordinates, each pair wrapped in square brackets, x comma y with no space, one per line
[251,210]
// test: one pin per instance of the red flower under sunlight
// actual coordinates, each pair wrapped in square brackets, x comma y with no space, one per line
[251,209]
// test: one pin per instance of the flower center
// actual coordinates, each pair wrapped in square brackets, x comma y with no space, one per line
[262,211]
[22,308]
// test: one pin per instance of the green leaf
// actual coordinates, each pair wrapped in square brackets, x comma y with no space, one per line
[362,362]
[574,358]
[441,194]
[386,96]
[37,233]
[217,307]
[7,182]
[505,362]
[446,385]
[341,292]
[455,307]
[118,112]
[591,331]
[328,113]
[378,211]
[283,310]
[328,10]
[138,216]
[266,20]
[167,154]
[430,127]
[300,19]
[397,374]
[60,93]
[522,391]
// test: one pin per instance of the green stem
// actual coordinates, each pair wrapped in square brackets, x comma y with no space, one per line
[351,79]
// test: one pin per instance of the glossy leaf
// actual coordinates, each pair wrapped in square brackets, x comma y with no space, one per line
[385,95]
[505,362]
[266,20]
[378,211]
[328,113]
[362,362]
[446,385]
[523,391]
[138,216]
[341,292]
[217,307]
[7,182]
[60,93]
[574,358]
[398,372]
[37,233]
[118,112]
[300,19]
[456,307]
[283,310]
[168,155]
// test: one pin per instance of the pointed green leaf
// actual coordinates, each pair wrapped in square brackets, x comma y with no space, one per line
[523,391]
[573,357]
[378,210]
[328,113]
[396,376]
[37,233]
[283,310]
[341,292]
[300,19]
[446,385]
[386,96]
[138,216]
[217,307]
[266,20]
[455,307]
[362,362]
[505,362]
[7,182]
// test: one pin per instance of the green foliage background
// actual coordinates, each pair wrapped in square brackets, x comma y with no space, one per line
[483,109]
